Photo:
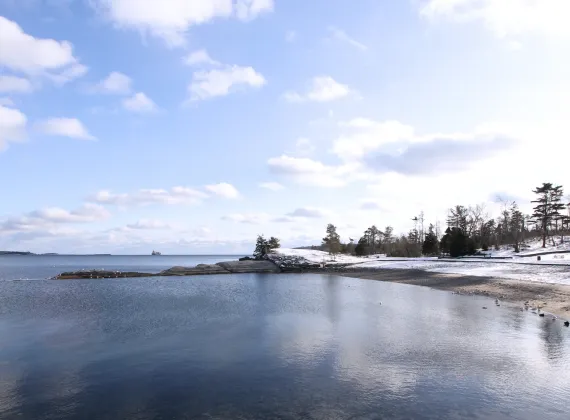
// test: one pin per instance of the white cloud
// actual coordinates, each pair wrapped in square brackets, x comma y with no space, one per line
[139,102]
[52,216]
[308,212]
[15,84]
[248,218]
[224,190]
[200,57]
[170,20]
[65,127]
[176,195]
[222,82]
[505,18]
[116,84]
[23,53]
[310,172]
[369,136]
[370,204]
[4,100]
[12,126]
[342,36]
[273,186]
[149,224]
[321,89]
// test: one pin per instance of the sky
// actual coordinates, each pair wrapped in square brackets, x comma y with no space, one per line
[191,126]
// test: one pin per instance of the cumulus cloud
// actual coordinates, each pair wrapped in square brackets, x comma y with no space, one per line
[505,18]
[23,53]
[439,155]
[12,126]
[321,89]
[308,171]
[200,58]
[176,195]
[48,218]
[140,103]
[170,20]
[116,83]
[342,36]
[223,190]
[208,84]
[65,127]
[273,186]
[15,84]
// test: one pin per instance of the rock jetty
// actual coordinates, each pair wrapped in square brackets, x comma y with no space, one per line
[227,267]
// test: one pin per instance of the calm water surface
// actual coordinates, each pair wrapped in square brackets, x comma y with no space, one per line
[37,267]
[273,347]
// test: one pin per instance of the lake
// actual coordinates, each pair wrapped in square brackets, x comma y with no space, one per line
[272,347]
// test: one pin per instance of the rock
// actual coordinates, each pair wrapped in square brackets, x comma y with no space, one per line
[246,259]
[566,324]
[541,314]
[99,274]
[484,307]
[200,269]
[249,266]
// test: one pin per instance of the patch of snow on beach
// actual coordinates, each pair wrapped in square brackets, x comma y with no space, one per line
[315,256]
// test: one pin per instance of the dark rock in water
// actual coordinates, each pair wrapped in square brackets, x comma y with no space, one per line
[541,314]
[566,324]
[249,266]
[200,269]
[99,274]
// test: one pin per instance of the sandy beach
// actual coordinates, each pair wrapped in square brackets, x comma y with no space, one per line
[553,298]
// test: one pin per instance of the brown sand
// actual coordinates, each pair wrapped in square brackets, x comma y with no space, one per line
[551,298]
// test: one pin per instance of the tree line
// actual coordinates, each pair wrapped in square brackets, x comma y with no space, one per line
[468,229]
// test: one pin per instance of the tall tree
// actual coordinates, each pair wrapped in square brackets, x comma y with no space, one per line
[457,218]
[516,219]
[430,245]
[548,207]
[332,240]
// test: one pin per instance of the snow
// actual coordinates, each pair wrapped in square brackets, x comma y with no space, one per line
[553,268]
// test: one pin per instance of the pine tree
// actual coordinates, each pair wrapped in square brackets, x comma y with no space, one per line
[264,246]
[516,219]
[332,240]
[547,209]
[430,245]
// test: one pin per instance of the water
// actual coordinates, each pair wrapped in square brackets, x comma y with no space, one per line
[273,347]
[37,267]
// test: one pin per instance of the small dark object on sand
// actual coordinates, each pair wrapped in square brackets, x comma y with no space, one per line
[541,314]
[566,324]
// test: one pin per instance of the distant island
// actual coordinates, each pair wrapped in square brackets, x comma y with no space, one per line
[16,253]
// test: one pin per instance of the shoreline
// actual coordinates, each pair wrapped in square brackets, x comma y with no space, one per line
[552,298]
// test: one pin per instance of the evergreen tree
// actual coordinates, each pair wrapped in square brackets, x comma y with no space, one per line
[332,240]
[430,245]
[361,248]
[547,209]
[264,246]
[457,243]
[516,226]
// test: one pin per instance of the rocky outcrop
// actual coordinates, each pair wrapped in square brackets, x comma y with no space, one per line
[100,274]
[249,266]
[200,269]
[228,267]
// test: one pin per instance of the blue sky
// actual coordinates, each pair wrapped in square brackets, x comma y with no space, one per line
[193,125]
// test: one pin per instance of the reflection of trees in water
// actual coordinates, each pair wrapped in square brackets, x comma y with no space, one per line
[332,299]
[553,339]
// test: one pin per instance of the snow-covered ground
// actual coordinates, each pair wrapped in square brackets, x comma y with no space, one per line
[553,268]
